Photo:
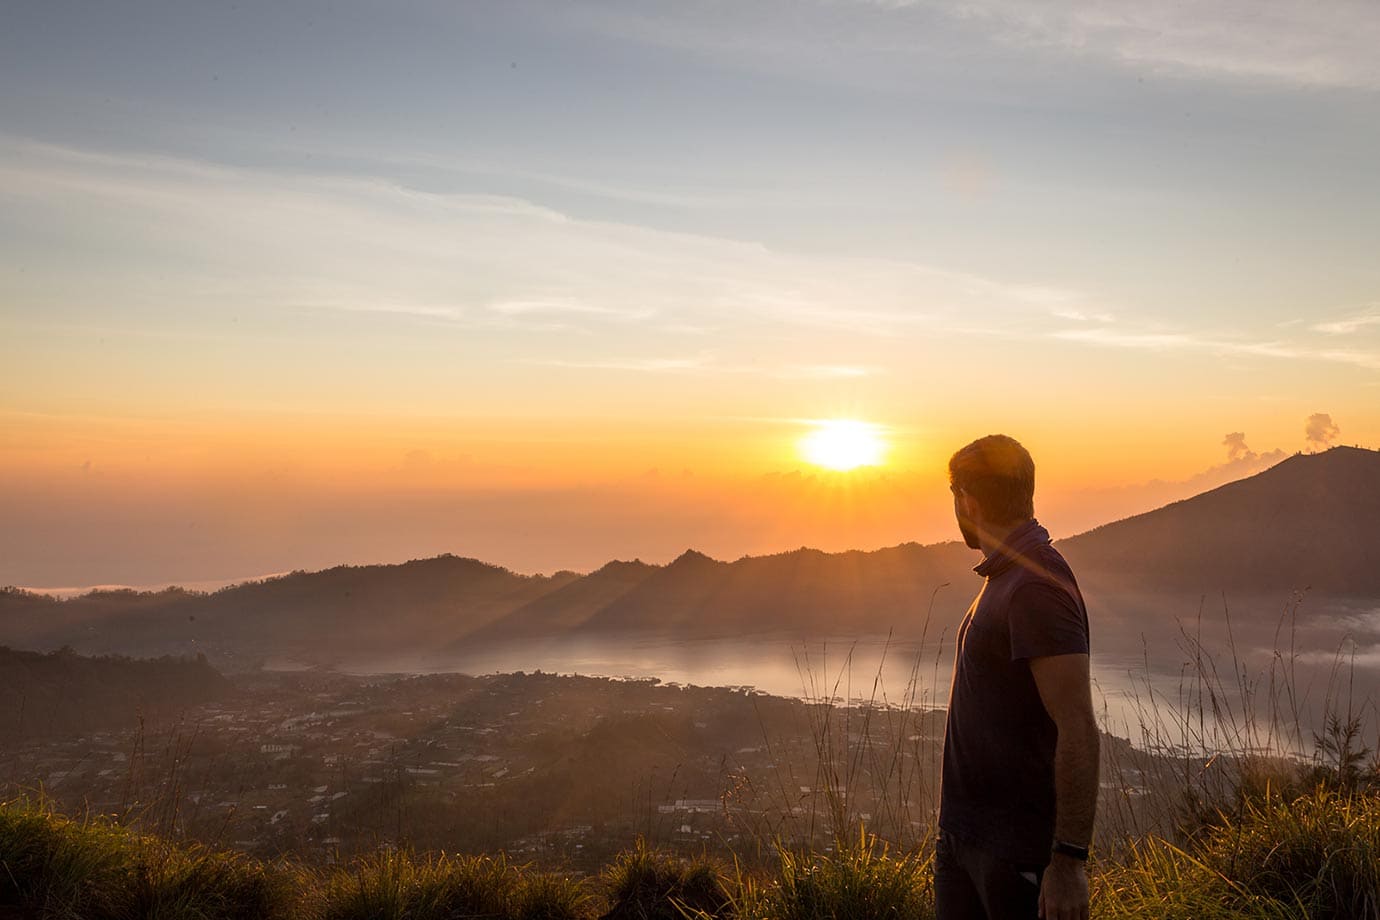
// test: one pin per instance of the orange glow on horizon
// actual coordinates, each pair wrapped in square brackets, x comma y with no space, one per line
[375,453]
[140,499]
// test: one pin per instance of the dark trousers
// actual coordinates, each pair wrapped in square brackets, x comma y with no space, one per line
[971,883]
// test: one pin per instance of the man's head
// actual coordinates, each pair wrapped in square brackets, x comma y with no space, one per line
[993,481]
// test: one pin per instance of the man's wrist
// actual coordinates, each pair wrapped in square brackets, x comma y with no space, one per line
[1071,851]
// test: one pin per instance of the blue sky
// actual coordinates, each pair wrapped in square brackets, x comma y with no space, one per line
[1222,159]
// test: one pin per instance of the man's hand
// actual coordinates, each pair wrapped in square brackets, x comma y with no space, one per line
[1064,889]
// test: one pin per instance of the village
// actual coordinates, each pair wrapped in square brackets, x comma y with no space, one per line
[557,769]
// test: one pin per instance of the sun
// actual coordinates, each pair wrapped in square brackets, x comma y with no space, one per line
[843,444]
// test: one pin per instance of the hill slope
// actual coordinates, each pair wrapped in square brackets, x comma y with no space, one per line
[804,591]
[64,694]
[344,611]
[1310,521]
[570,606]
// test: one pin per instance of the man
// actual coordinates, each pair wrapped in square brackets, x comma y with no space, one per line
[1019,783]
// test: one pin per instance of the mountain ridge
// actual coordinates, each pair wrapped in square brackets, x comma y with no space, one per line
[1309,521]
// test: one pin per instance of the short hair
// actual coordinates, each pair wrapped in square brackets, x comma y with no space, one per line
[999,474]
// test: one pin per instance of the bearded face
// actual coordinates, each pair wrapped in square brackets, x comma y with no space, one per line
[966,525]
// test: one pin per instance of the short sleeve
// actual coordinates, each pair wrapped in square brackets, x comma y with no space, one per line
[1046,620]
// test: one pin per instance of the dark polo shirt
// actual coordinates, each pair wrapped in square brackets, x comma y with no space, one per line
[997,788]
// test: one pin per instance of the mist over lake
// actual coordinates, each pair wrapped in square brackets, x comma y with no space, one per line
[1138,679]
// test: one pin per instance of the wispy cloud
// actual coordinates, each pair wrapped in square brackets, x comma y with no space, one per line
[660,196]
[346,303]
[1285,41]
[222,239]
[1351,324]
[1198,342]
[827,371]
[558,306]
[367,245]
[1082,316]
[706,363]
[640,365]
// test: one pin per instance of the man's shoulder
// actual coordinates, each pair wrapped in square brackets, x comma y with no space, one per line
[1049,551]
[1049,577]
[1051,566]
[1039,594]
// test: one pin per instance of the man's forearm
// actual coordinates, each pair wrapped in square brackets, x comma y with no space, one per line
[1075,782]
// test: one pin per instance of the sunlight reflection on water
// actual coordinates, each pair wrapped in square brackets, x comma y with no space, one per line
[895,674]
[1146,693]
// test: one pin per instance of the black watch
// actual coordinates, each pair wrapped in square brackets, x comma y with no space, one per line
[1071,849]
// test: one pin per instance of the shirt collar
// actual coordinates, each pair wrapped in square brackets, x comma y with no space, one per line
[1018,543]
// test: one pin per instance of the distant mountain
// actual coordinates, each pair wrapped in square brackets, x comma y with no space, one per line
[803,591]
[1312,521]
[346,611]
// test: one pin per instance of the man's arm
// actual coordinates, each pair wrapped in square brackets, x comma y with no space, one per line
[1066,691]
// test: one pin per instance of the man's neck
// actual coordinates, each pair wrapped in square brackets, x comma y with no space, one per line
[992,539]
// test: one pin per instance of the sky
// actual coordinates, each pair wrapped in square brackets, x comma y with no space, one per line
[288,285]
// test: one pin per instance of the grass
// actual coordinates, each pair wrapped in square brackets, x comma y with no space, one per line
[860,880]
[1320,851]
[643,884]
[1158,879]
[398,885]
[57,867]
[1311,857]
[60,867]
[1316,857]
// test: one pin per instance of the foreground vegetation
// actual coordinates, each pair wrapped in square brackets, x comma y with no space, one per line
[1311,857]
[1229,818]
